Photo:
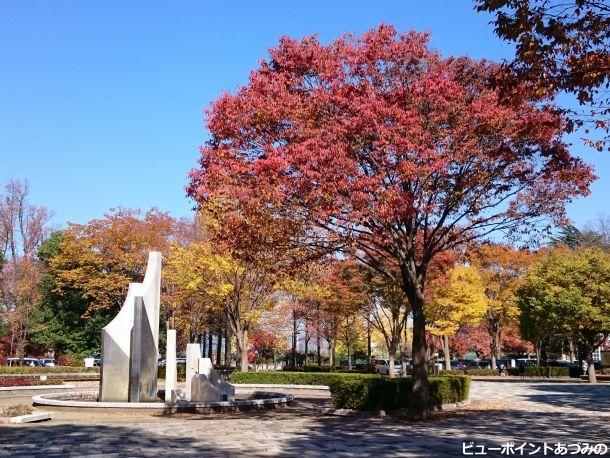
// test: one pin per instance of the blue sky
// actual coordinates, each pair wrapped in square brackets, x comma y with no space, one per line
[101,103]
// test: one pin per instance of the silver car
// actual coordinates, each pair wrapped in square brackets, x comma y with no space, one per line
[383,367]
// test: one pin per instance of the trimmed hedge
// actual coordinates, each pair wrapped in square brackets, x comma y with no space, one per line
[295,378]
[375,393]
[474,372]
[541,371]
[47,370]
[24,381]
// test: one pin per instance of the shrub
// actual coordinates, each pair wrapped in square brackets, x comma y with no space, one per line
[180,370]
[542,371]
[473,371]
[294,378]
[47,370]
[322,368]
[375,393]
[24,381]
[69,360]
[17,410]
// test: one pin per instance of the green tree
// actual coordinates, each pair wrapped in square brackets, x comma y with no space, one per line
[60,324]
[568,293]
[569,236]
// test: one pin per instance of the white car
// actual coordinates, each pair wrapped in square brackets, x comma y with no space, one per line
[383,367]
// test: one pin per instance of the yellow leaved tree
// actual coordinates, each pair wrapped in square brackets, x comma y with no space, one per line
[204,280]
[457,301]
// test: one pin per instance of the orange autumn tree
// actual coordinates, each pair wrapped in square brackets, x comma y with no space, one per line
[102,257]
[501,268]
[23,227]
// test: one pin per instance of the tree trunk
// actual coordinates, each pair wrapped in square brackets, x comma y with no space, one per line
[446,352]
[210,352]
[306,352]
[228,346]
[331,353]
[420,393]
[243,351]
[391,371]
[591,368]
[538,349]
[294,342]
[571,349]
[368,341]
[349,357]
[219,346]
[318,349]
[494,335]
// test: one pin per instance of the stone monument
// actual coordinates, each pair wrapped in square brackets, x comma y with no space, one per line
[130,342]
[203,384]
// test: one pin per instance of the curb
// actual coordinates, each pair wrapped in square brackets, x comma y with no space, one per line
[382,413]
[284,387]
[55,400]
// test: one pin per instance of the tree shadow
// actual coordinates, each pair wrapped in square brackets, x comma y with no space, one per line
[81,440]
[445,434]
[301,431]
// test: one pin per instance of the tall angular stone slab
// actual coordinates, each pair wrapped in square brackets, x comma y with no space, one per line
[116,336]
[143,357]
[171,374]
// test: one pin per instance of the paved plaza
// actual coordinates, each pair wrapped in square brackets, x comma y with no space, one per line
[498,413]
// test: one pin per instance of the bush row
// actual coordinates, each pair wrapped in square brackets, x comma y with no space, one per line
[24,381]
[541,371]
[295,378]
[483,372]
[46,370]
[375,393]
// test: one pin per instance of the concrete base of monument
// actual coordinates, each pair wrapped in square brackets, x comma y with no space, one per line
[77,400]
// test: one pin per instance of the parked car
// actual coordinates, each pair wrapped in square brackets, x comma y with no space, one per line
[49,362]
[458,366]
[383,367]
[30,362]
[374,363]
[95,359]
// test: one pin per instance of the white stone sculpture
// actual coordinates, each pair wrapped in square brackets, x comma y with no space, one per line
[117,350]
[203,384]
[171,375]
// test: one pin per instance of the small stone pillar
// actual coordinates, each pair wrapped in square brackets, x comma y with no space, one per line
[193,354]
[171,375]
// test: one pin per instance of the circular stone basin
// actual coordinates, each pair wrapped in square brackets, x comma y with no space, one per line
[75,400]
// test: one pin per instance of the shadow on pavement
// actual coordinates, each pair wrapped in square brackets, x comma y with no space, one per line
[584,397]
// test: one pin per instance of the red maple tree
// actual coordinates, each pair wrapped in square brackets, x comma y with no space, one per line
[390,152]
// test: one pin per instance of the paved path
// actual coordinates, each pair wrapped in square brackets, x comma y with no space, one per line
[498,413]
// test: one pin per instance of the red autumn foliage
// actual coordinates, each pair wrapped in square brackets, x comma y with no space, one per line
[262,346]
[382,148]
